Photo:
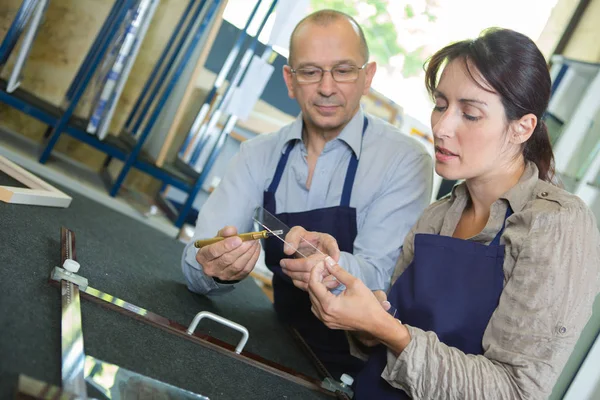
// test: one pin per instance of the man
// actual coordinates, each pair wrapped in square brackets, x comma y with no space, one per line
[333,170]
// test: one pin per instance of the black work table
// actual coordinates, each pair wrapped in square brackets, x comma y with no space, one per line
[129,260]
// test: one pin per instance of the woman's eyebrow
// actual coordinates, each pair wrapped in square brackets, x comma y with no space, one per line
[473,101]
[437,93]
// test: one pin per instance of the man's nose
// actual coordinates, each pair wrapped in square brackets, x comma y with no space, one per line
[327,86]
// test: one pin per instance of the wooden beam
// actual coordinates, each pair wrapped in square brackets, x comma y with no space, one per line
[37,191]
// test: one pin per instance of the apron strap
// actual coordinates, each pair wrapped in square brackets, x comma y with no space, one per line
[496,241]
[280,167]
[351,172]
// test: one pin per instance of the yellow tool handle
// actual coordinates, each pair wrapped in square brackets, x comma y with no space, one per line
[244,236]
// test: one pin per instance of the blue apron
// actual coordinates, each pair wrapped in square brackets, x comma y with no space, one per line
[292,305]
[452,287]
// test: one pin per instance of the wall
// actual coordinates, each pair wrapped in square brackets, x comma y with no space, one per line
[584,44]
[558,21]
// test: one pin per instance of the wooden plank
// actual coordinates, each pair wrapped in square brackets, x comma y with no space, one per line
[38,192]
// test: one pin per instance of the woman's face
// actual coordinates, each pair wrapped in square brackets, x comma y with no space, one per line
[469,126]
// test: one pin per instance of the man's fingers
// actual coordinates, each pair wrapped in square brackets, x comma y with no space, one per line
[215,266]
[300,264]
[298,276]
[293,237]
[302,285]
[234,250]
[380,295]
[340,273]
[227,231]
[216,250]
[331,247]
[235,262]
[250,262]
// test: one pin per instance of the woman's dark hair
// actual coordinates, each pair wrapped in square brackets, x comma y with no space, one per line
[515,68]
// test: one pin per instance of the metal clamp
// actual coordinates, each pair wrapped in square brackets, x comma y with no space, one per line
[334,386]
[58,274]
[224,321]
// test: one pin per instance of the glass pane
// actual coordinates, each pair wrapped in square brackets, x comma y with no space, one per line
[586,151]
[555,127]
[116,383]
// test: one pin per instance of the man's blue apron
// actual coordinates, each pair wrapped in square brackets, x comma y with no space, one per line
[452,287]
[292,304]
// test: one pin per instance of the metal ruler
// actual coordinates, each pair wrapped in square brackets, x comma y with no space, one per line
[73,358]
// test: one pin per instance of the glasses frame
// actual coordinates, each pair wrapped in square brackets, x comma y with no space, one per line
[294,71]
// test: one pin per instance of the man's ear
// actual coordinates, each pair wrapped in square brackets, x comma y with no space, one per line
[523,128]
[289,81]
[370,70]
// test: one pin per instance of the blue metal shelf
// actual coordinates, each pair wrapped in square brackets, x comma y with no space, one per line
[128,146]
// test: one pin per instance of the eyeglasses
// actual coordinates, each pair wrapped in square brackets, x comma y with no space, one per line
[340,73]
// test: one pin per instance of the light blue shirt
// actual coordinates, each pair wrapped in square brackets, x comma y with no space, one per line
[391,189]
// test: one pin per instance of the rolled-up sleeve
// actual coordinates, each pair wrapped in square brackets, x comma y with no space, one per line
[232,203]
[551,280]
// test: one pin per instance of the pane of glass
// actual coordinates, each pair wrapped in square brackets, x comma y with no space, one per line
[116,383]
[555,127]
[586,151]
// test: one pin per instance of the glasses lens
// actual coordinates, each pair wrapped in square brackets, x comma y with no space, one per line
[309,75]
[345,73]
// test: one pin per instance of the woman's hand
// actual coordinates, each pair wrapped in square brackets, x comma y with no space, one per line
[355,309]
[366,338]
[298,269]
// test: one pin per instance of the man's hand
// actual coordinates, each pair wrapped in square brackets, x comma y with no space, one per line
[299,238]
[230,259]
[299,268]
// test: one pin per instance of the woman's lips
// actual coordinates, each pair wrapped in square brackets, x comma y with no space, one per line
[443,155]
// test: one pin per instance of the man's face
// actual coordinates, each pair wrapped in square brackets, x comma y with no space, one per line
[328,105]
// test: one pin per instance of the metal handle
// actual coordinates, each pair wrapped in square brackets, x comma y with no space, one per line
[224,321]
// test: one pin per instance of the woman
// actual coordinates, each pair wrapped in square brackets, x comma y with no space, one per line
[495,281]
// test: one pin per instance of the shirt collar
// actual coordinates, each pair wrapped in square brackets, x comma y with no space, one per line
[351,134]
[521,193]
[517,196]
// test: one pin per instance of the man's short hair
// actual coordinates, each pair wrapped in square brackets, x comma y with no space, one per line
[325,18]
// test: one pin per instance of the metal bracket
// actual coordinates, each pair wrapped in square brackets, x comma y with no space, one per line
[58,274]
[224,321]
[334,386]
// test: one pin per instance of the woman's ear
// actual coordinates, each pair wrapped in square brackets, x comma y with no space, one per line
[522,129]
